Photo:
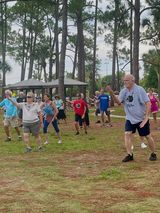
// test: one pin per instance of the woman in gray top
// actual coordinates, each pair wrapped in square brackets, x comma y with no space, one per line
[32,120]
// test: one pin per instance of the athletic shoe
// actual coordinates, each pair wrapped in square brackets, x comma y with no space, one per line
[132,147]
[143,145]
[60,141]
[97,122]
[28,149]
[86,132]
[46,142]
[153,157]
[128,158]
[19,137]
[109,125]
[77,133]
[40,148]
[7,139]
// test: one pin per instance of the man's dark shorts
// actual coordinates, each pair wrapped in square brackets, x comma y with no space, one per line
[144,131]
[78,118]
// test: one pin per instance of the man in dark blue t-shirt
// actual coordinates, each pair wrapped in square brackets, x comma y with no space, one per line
[104,106]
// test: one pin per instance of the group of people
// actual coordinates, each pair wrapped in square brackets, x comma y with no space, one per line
[31,116]
[137,105]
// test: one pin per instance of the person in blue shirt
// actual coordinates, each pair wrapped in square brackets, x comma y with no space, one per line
[61,108]
[10,116]
[104,102]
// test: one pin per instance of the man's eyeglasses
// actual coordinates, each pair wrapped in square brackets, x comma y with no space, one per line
[29,96]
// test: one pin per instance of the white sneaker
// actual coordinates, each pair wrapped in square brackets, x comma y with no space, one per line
[46,142]
[132,147]
[60,141]
[143,145]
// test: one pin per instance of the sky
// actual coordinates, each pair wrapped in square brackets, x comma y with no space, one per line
[106,63]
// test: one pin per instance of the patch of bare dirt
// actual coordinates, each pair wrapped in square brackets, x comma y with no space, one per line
[84,163]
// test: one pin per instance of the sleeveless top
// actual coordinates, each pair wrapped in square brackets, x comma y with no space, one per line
[154,106]
[48,111]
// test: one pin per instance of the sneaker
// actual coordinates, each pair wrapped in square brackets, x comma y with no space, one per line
[109,125]
[97,122]
[86,132]
[19,137]
[7,139]
[40,148]
[132,147]
[128,158]
[77,133]
[60,141]
[143,145]
[153,157]
[46,142]
[28,149]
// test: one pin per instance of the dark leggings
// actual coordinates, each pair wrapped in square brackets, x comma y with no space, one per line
[46,124]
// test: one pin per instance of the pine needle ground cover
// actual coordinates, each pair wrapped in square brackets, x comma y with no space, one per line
[84,174]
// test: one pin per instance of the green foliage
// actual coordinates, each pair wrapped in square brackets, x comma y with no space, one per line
[151,69]
[75,6]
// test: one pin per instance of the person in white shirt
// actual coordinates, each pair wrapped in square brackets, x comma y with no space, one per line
[32,120]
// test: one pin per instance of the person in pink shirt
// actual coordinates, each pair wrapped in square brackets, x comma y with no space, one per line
[154,105]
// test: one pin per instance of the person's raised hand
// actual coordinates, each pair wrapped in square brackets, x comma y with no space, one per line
[109,89]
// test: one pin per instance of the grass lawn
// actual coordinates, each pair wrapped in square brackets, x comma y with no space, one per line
[84,174]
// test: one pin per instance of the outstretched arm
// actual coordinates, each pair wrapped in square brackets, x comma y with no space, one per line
[14,102]
[108,88]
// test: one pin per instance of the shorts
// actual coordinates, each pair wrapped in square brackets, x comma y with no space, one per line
[107,111]
[61,114]
[13,122]
[31,128]
[144,131]
[78,118]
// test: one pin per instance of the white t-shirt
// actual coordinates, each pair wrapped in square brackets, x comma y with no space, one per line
[30,112]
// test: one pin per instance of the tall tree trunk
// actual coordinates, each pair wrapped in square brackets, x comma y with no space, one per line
[4,40]
[23,51]
[131,38]
[114,51]
[94,51]
[57,39]
[118,77]
[63,50]
[75,59]
[32,55]
[136,41]
[81,52]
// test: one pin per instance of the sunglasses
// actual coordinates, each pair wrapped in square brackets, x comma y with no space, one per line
[29,96]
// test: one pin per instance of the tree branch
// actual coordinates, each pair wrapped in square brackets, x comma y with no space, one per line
[149,8]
